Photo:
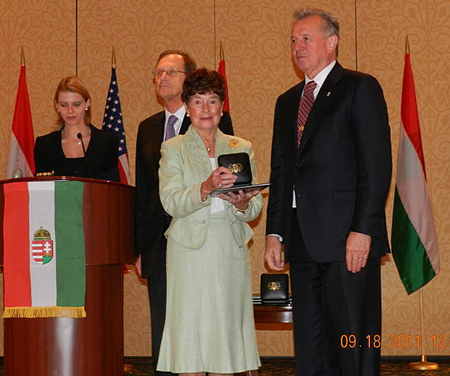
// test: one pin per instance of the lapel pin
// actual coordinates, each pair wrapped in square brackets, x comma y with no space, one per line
[329,93]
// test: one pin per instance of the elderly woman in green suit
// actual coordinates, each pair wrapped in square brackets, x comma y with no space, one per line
[209,327]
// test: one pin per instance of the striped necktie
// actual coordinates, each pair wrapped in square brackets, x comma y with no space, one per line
[304,109]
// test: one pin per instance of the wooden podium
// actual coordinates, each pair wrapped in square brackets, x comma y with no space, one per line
[92,346]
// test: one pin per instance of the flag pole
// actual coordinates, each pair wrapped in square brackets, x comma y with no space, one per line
[113,58]
[423,365]
[22,57]
[221,52]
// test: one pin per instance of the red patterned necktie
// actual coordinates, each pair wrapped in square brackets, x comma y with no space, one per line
[304,108]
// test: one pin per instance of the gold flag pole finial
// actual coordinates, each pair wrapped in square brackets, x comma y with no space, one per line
[221,53]
[407,45]
[22,57]
[113,58]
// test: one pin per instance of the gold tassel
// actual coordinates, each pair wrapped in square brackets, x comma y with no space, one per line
[42,312]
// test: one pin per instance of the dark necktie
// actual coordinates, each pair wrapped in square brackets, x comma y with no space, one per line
[170,129]
[304,109]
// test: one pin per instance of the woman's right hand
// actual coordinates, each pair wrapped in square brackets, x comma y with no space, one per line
[220,178]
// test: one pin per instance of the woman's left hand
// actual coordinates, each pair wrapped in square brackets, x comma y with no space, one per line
[239,200]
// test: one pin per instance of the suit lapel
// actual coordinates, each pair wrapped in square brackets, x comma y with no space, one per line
[157,136]
[185,124]
[291,121]
[198,156]
[222,144]
[323,100]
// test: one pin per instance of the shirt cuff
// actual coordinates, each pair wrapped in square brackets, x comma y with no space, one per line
[278,236]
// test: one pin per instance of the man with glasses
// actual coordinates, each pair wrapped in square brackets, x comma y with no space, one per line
[151,220]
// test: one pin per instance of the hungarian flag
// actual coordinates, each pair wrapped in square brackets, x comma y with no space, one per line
[44,259]
[221,71]
[113,122]
[21,147]
[414,240]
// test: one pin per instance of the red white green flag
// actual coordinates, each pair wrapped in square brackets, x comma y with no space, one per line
[414,240]
[22,137]
[44,259]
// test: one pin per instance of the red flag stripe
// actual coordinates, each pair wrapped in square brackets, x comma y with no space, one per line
[410,114]
[22,123]
[17,237]
[221,71]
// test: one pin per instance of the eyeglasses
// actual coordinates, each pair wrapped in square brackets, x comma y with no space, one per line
[169,72]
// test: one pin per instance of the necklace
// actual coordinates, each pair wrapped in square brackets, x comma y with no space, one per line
[77,140]
[209,148]
[209,142]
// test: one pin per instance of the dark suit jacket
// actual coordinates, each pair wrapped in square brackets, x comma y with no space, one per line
[101,154]
[151,220]
[342,170]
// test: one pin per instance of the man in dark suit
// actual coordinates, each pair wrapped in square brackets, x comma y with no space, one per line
[330,176]
[151,219]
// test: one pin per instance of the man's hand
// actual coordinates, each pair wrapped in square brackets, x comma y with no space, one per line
[273,253]
[357,251]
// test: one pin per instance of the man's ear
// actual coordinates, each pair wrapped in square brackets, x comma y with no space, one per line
[332,42]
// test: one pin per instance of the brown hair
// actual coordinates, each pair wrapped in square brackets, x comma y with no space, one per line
[75,85]
[202,81]
[189,63]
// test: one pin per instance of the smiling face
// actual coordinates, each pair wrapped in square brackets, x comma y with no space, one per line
[205,111]
[312,49]
[72,108]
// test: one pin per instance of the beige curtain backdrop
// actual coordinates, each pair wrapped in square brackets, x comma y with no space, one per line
[256,37]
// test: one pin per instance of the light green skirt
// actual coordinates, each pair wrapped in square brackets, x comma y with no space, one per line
[209,323]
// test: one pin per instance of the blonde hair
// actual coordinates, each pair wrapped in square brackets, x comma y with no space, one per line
[75,85]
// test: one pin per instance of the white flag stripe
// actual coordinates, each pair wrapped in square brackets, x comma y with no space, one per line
[16,159]
[413,192]
[42,214]
[126,168]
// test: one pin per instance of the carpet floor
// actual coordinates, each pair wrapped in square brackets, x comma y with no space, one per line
[286,367]
[390,366]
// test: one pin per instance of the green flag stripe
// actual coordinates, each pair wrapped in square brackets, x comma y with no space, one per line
[408,251]
[70,256]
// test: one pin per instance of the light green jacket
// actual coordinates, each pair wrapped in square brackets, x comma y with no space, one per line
[184,165]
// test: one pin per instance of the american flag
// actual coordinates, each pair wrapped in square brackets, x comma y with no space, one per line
[113,122]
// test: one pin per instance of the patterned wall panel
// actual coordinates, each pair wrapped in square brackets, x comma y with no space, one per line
[46,33]
[382,28]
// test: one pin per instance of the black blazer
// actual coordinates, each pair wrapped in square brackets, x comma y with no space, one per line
[101,154]
[151,220]
[342,170]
